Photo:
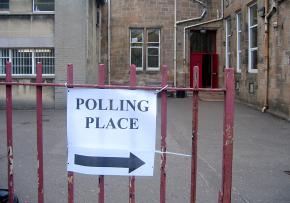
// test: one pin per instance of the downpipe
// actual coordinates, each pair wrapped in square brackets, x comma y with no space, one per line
[266,50]
[176,23]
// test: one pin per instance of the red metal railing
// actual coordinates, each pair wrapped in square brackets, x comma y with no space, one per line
[225,193]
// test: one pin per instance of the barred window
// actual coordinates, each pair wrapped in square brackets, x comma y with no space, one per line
[43,5]
[4,56]
[24,60]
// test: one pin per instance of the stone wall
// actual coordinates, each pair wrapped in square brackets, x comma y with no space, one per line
[147,14]
[279,43]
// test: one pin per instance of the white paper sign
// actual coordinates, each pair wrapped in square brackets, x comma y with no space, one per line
[111,132]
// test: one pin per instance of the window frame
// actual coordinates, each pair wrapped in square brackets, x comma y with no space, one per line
[139,47]
[153,47]
[239,33]
[33,52]
[5,9]
[228,35]
[36,11]
[250,37]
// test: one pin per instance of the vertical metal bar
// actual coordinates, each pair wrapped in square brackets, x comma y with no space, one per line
[163,135]
[133,82]
[228,136]
[39,133]
[101,178]
[70,174]
[9,131]
[195,84]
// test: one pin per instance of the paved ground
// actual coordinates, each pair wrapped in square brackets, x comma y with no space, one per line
[261,155]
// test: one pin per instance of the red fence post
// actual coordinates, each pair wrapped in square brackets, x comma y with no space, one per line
[39,133]
[133,82]
[194,138]
[9,131]
[228,136]
[101,178]
[163,135]
[70,174]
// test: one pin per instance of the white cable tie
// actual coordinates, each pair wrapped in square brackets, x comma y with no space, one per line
[173,153]
[163,88]
[65,84]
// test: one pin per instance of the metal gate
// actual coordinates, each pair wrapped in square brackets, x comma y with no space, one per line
[228,90]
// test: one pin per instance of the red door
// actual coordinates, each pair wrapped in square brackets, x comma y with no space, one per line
[214,73]
[196,60]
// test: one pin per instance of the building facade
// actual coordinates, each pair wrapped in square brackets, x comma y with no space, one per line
[52,32]
[251,36]
[257,41]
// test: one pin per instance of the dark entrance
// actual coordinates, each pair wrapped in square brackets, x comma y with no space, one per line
[203,54]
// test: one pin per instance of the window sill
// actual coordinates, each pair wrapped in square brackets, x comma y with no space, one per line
[29,76]
[253,71]
[153,69]
[26,13]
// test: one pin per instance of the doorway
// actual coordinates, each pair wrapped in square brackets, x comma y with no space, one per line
[203,54]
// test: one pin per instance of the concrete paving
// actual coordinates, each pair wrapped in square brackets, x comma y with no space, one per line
[261,155]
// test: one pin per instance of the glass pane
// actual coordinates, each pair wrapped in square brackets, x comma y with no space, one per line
[136,35]
[254,55]
[253,15]
[153,35]
[153,61]
[240,59]
[229,26]
[4,4]
[136,44]
[239,22]
[136,56]
[153,44]
[254,37]
[44,5]
[153,52]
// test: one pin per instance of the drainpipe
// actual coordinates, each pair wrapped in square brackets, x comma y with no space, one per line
[109,42]
[199,24]
[175,31]
[100,32]
[266,50]
[174,49]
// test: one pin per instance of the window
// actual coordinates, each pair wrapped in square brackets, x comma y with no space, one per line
[136,47]
[153,49]
[24,60]
[4,56]
[239,50]
[228,42]
[4,5]
[253,38]
[43,5]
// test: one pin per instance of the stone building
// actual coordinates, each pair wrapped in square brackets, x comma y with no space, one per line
[257,41]
[152,33]
[213,34]
[52,32]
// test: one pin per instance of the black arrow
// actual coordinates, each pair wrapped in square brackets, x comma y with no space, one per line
[133,162]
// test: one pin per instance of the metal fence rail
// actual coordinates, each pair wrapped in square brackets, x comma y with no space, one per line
[228,90]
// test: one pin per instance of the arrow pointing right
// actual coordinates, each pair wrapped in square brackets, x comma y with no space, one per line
[132,163]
